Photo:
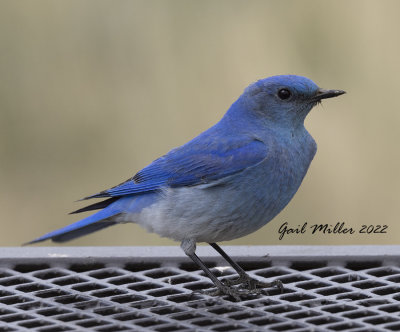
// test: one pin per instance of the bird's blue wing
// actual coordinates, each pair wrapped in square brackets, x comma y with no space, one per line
[198,161]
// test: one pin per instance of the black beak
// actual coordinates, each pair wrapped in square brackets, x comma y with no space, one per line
[322,94]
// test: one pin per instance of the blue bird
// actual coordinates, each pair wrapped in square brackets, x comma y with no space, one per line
[225,183]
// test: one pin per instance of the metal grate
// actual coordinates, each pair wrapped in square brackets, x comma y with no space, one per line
[150,289]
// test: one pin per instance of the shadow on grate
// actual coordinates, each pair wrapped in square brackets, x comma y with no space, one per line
[100,292]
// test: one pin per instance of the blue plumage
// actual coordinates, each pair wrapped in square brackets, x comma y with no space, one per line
[201,160]
[227,182]
[85,226]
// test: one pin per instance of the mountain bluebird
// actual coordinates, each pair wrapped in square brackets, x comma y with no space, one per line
[225,183]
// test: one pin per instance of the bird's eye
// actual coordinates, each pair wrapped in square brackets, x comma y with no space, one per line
[284,94]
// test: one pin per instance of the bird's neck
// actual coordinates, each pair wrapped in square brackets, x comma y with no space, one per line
[240,117]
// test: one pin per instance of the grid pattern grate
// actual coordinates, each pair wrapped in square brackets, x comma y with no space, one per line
[100,289]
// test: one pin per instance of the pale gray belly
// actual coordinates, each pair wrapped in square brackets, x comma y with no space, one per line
[227,209]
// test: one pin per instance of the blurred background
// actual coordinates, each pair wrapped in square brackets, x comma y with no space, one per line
[92,91]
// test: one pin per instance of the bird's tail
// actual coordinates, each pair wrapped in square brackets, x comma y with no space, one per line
[111,208]
[93,223]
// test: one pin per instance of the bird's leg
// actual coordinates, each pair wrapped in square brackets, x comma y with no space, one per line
[244,279]
[189,248]
[221,288]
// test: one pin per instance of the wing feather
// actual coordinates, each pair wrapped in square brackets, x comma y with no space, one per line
[192,164]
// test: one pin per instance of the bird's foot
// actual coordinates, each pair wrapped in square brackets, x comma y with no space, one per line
[251,284]
[248,287]
[234,292]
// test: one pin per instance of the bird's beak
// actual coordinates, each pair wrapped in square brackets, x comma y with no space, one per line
[322,94]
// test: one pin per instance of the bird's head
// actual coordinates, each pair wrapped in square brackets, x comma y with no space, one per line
[284,100]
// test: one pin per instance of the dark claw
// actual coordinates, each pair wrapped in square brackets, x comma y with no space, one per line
[278,284]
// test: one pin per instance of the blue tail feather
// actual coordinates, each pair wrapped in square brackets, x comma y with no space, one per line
[85,226]
[83,231]
[101,219]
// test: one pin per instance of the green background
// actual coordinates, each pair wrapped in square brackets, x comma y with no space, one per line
[92,91]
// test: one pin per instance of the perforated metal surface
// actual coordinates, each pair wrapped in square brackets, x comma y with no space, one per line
[150,289]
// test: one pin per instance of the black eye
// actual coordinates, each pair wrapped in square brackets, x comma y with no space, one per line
[284,94]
